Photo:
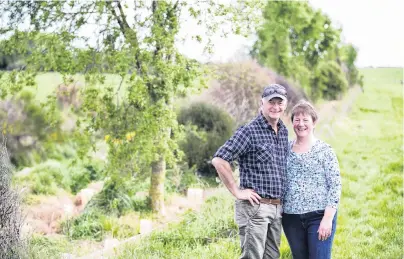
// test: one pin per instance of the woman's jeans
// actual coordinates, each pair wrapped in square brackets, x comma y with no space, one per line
[301,233]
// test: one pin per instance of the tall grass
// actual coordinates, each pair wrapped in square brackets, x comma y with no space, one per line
[369,146]
[209,233]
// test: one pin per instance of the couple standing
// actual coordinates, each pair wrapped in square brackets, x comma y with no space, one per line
[295,185]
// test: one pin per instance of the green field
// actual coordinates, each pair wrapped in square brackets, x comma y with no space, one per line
[369,144]
[48,82]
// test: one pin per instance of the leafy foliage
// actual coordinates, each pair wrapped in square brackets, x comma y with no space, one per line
[236,88]
[329,81]
[27,127]
[349,54]
[83,173]
[46,178]
[94,225]
[143,47]
[207,128]
[118,197]
[196,232]
[300,44]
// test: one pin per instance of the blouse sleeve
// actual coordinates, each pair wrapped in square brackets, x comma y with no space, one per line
[333,178]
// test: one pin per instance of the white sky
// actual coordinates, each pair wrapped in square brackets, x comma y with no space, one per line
[376,27]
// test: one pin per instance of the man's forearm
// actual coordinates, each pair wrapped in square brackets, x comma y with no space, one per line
[223,168]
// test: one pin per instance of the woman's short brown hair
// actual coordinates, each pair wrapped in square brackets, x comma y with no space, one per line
[304,107]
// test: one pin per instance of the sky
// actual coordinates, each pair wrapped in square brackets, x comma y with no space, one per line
[375,27]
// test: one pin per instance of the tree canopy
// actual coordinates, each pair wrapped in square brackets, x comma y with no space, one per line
[135,40]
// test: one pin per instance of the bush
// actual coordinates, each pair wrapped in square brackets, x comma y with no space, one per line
[206,129]
[329,81]
[46,178]
[28,126]
[118,197]
[180,179]
[93,224]
[67,95]
[43,247]
[82,174]
[87,225]
[213,224]
[237,88]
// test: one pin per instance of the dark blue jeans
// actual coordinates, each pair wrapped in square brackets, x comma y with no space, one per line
[302,236]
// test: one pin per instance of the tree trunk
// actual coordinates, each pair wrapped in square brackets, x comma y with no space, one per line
[157,185]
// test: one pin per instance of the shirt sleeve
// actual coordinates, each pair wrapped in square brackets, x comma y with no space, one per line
[235,147]
[333,178]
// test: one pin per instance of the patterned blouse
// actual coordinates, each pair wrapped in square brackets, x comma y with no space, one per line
[313,180]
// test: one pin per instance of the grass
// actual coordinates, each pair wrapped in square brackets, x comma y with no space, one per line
[54,247]
[48,82]
[368,142]
[369,147]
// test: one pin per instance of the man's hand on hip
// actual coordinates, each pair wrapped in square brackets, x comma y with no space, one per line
[248,194]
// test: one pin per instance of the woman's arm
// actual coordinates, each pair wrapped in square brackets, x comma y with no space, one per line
[333,179]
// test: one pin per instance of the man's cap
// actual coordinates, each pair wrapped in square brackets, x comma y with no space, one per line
[274,90]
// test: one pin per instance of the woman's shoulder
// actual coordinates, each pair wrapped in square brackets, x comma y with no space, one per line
[322,145]
[324,148]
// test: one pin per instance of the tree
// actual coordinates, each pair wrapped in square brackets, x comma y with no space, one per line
[12,244]
[294,39]
[138,37]
[349,54]
[329,81]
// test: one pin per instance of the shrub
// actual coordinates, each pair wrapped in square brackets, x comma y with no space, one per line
[237,88]
[329,81]
[87,225]
[93,224]
[179,179]
[206,129]
[28,126]
[116,197]
[67,95]
[82,174]
[198,230]
[43,247]
[46,178]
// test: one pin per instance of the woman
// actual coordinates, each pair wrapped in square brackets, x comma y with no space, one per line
[313,189]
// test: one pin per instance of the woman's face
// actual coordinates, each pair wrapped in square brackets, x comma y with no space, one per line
[303,125]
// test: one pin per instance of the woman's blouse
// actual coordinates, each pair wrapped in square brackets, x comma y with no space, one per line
[313,180]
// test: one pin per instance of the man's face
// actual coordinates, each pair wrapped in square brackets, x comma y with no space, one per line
[273,109]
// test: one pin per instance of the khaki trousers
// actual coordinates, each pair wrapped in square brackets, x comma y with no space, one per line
[260,228]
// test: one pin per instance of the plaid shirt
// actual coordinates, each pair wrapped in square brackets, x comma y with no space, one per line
[261,155]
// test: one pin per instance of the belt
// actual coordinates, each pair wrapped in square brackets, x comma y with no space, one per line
[271,201]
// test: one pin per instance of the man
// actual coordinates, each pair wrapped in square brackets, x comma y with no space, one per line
[261,148]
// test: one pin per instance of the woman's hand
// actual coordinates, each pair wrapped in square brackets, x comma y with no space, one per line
[324,231]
